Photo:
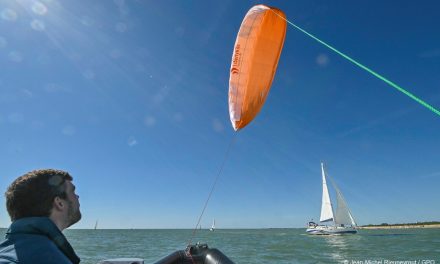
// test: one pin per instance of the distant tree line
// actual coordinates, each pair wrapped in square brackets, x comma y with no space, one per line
[407,224]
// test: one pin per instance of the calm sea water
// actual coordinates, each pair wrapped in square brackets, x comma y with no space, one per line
[264,245]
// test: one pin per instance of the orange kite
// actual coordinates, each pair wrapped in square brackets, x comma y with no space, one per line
[254,62]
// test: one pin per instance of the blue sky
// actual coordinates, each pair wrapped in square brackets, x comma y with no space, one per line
[130,97]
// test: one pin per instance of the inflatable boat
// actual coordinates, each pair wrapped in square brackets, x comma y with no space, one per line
[193,254]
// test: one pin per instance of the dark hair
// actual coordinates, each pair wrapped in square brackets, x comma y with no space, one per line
[32,194]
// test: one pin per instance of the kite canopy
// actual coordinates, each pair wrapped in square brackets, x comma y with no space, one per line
[254,62]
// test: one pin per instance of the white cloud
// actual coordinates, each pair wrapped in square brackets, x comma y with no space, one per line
[132,142]
[39,8]
[38,25]
[27,92]
[9,14]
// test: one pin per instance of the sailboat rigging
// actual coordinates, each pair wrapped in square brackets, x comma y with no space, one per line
[340,221]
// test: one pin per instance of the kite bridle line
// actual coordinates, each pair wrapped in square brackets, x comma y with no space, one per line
[377,75]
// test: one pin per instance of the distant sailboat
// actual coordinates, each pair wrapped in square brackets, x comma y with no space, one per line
[213,226]
[342,221]
[96,225]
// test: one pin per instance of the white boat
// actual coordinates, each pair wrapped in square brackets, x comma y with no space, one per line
[213,226]
[332,222]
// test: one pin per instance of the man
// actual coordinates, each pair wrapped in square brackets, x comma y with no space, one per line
[41,204]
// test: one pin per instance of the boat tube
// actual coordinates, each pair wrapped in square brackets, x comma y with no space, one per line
[193,254]
[196,254]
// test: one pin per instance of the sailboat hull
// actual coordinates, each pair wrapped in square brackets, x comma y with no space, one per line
[330,230]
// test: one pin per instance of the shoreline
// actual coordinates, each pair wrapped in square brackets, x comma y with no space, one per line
[399,226]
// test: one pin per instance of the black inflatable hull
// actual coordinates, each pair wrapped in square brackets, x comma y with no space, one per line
[198,254]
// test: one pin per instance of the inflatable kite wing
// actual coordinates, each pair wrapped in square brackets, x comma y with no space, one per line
[254,61]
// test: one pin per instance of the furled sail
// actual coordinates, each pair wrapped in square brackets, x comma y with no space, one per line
[326,209]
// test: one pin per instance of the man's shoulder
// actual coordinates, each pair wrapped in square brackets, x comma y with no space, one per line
[30,248]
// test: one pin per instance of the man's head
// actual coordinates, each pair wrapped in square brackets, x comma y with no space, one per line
[44,192]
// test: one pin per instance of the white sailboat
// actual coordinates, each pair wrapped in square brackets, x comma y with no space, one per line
[339,222]
[213,226]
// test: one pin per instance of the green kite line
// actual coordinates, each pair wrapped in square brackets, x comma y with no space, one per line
[412,96]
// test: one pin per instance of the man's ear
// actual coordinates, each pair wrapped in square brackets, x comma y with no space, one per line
[58,203]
